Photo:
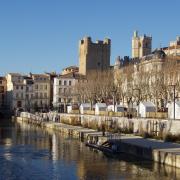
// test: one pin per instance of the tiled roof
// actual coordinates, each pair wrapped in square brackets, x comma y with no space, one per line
[73,75]
[72,67]
[2,78]
[15,74]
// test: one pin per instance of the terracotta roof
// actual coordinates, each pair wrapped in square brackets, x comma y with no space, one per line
[73,75]
[39,75]
[15,74]
[27,77]
[172,47]
[2,78]
[71,67]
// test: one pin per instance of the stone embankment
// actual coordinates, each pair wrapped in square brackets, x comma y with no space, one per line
[159,151]
[135,125]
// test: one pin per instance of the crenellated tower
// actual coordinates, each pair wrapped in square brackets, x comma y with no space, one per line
[94,56]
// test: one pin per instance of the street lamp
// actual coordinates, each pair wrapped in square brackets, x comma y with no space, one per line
[114,93]
[91,99]
[174,97]
[139,92]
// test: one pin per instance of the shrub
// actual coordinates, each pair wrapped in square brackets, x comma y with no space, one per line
[171,138]
[146,135]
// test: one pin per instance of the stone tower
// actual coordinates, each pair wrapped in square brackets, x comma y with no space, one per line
[94,56]
[141,45]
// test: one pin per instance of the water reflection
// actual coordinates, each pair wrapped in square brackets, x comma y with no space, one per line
[28,152]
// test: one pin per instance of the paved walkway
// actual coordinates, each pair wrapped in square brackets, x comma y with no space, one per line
[149,143]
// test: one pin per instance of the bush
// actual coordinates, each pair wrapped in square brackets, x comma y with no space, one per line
[126,130]
[171,138]
[146,135]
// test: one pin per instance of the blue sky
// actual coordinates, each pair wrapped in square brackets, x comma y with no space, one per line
[43,35]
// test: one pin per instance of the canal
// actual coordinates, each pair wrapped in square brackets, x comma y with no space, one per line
[29,152]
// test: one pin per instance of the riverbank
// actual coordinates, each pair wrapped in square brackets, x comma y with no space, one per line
[27,151]
[158,151]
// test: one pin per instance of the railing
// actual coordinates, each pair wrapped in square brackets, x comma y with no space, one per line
[159,115]
[41,116]
[89,112]
[74,112]
[113,136]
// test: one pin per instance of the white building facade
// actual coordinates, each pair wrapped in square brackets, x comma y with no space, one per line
[63,89]
[15,91]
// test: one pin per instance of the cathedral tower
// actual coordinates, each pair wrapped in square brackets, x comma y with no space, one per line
[141,45]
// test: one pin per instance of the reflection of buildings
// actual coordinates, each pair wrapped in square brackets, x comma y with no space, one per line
[55,154]
[71,156]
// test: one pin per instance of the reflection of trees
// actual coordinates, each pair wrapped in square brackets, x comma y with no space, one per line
[89,164]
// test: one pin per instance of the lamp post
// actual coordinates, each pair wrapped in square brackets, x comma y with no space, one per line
[139,92]
[91,99]
[174,97]
[114,93]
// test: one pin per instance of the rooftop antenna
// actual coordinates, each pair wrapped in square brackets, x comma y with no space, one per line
[160,45]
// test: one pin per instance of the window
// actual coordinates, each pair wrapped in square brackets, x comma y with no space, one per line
[36,95]
[60,82]
[22,95]
[65,83]
[21,87]
[65,89]
[27,96]
[36,86]
[19,104]
[17,95]
[41,87]
[60,90]
[41,95]
[1,89]
[0,82]
[45,95]
[69,83]
[27,88]
[45,87]
[17,87]
[31,95]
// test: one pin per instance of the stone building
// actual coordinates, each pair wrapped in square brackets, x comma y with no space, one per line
[16,89]
[94,56]
[148,78]
[141,45]
[3,87]
[174,48]
[64,93]
[70,69]
[29,93]
[41,91]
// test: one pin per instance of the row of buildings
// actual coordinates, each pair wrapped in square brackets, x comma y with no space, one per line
[44,91]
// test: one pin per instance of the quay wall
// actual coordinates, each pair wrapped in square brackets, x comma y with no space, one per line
[164,156]
[114,124]
[134,125]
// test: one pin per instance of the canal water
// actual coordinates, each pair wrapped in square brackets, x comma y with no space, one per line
[29,152]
